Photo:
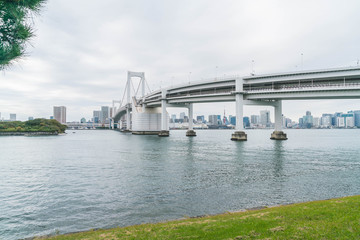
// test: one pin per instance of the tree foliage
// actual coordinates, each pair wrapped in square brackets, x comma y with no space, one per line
[36,125]
[16,28]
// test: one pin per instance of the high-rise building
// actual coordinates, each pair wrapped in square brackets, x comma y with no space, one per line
[173,118]
[96,116]
[340,122]
[326,120]
[308,120]
[12,116]
[60,114]
[255,119]
[246,122]
[105,114]
[348,120]
[265,118]
[31,118]
[182,115]
[232,120]
[213,119]
[316,122]
[357,118]
[200,119]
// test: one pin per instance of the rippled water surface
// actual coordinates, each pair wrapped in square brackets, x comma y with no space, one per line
[102,179]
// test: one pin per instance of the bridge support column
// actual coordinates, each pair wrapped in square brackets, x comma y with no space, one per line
[164,125]
[190,132]
[278,134]
[239,134]
[128,119]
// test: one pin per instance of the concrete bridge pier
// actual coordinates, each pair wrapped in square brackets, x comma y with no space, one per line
[278,134]
[239,134]
[190,132]
[164,125]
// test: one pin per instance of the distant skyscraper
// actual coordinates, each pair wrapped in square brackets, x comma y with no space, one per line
[200,119]
[232,120]
[173,117]
[265,118]
[254,119]
[182,115]
[326,120]
[246,122]
[105,114]
[308,120]
[348,120]
[12,116]
[31,118]
[213,119]
[357,118]
[60,114]
[96,116]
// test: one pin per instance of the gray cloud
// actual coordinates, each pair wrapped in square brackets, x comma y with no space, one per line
[84,48]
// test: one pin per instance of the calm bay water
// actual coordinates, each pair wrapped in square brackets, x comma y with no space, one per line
[102,179]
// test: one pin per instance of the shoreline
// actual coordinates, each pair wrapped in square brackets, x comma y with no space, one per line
[239,215]
[38,133]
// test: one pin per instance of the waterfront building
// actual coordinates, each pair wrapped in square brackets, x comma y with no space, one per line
[173,118]
[357,118]
[326,120]
[246,122]
[213,120]
[232,120]
[340,122]
[12,116]
[200,119]
[265,118]
[316,122]
[96,116]
[334,118]
[308,120]
[60,114]
[348,120]
[254,119]
[105,114]
[182,115]
[301,122]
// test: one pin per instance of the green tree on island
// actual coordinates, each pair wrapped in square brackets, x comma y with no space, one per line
[15,28]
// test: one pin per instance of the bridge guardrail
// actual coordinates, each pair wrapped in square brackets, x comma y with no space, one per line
[302,87]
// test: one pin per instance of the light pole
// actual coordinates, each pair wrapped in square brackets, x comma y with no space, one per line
[252,67]
[189,77]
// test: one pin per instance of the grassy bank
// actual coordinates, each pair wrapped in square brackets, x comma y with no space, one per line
[328,219]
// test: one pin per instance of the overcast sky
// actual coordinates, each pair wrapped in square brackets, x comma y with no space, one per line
[83,49]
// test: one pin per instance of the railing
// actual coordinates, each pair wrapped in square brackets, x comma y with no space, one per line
[301,87]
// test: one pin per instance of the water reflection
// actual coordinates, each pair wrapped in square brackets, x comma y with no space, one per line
[278,158]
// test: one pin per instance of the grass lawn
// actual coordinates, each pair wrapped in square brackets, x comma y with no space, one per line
[328,219]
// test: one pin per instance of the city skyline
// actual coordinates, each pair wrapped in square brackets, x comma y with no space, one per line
[83,69]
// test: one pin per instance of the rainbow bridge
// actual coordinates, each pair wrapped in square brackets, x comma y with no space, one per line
[143,113]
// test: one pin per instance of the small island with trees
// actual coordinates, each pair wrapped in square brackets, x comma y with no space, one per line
[34,127]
